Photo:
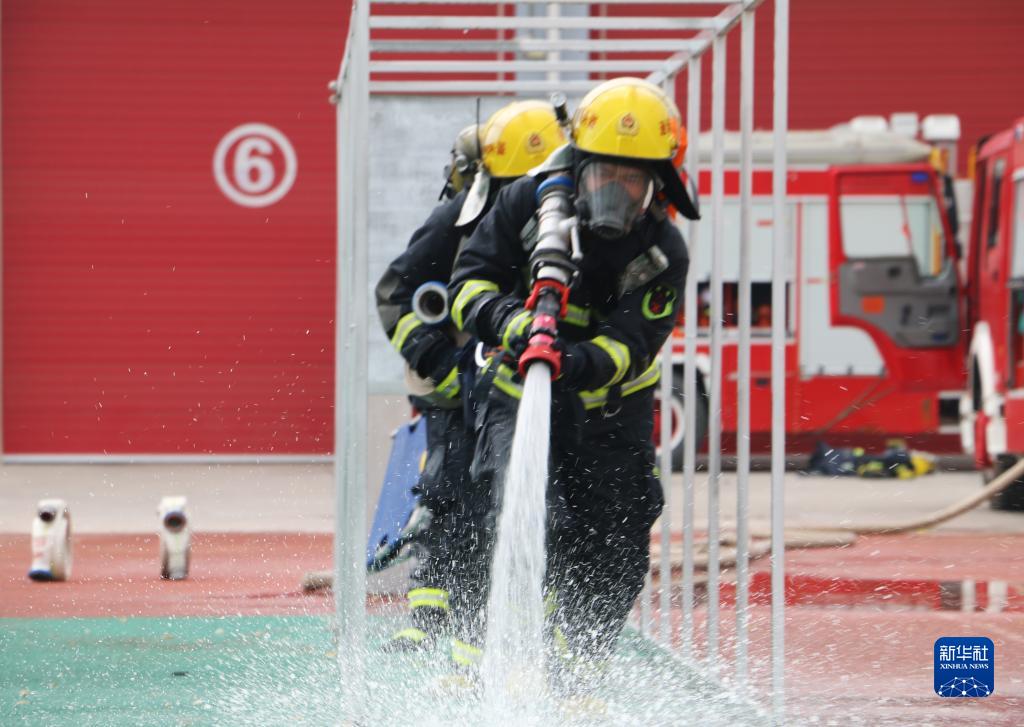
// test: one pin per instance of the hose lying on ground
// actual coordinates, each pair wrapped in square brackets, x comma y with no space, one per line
[830,536]
[811,536]
[990,490]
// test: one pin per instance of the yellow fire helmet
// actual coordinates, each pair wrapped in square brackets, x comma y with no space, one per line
[634,119]
[520,136]
[627,117]
[516,138]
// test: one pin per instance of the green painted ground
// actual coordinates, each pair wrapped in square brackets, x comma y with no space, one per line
[283,671]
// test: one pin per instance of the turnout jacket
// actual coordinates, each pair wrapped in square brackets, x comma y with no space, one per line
[622,305]
[431,351]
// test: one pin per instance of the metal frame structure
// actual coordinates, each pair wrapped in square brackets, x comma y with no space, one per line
[508,54]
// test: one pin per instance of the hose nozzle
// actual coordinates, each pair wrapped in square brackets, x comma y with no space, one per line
[550,300]
[542,347]
[553,270]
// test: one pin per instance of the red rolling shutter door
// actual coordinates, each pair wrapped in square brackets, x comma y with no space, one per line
[145,312]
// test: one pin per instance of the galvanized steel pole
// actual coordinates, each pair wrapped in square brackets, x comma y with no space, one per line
[780,249]
[665,468]
[717,311]
[690,373]
[554,35]
[350,371]
[344,197]
[646,620]
[743,354]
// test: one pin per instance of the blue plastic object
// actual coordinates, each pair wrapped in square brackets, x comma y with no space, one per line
[562,180]
[397,499]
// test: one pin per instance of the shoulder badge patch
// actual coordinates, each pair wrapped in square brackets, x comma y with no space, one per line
[658,302]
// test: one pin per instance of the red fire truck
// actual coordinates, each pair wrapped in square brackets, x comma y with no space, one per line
[875,311]
[992,408]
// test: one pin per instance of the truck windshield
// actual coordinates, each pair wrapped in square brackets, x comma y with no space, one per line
[894,225]
[1017,270]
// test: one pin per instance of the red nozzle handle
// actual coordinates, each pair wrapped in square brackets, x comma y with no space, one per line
[541,348]
[549,286]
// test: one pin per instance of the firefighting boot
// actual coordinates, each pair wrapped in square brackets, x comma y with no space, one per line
[429,615]
[464,678]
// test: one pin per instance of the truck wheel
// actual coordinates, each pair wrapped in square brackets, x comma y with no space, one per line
[1012,498]
[702,416]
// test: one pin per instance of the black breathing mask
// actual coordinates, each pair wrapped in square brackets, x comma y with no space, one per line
[612,196]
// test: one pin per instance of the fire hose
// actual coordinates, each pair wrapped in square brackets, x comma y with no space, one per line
[993,488]
[553,268]
[831,535]
[809,536]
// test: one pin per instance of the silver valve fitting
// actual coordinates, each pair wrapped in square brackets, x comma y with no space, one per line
[557,244]
[561,106]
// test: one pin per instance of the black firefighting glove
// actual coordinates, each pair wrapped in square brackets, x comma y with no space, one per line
[515,332]
[575,365]
[438,356]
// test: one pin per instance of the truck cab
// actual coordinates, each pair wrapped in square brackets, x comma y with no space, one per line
[875,313]
[992,407]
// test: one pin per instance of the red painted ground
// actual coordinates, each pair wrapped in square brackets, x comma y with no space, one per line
[939,556]
[876,666]
[119,575]
[916,571]
[860,624]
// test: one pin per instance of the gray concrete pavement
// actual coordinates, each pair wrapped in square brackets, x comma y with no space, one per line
[123,497]
[844,501]
[300,497]
[266,497]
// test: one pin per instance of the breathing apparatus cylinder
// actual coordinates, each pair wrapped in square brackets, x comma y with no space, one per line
[552,269]
[430,303]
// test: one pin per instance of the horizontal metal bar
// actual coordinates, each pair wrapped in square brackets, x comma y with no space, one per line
[554,2]
[491,22]
[106,459]
[539,65]
[726,21]
[481,87]
[527,45]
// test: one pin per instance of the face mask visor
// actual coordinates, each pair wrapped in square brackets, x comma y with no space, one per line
[612,196]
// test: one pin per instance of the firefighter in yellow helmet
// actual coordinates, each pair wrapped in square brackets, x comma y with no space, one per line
[627,119]
[614,305]
[464,163]
[439,357]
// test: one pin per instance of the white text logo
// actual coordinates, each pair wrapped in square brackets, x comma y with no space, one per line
[254,165]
